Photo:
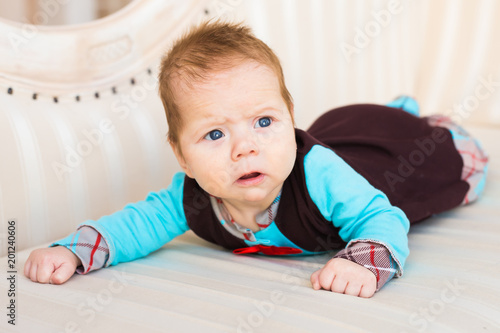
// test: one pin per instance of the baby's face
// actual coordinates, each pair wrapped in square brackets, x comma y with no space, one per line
[238,139]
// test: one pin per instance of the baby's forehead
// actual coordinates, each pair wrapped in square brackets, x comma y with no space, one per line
[189,77]
[245,87]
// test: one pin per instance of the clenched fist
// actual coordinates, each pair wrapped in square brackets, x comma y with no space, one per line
[51,265]
[345,277]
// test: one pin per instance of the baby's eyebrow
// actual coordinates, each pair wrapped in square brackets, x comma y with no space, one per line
[268,108]
[209,122]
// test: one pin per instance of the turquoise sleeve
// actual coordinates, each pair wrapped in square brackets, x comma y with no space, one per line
[143,227]
[351,203]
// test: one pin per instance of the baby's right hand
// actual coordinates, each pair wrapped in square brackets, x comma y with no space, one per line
[51,265]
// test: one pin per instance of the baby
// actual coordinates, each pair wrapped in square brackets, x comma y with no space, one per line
[253,183]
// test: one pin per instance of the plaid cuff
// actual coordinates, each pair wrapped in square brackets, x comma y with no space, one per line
[373,256]
[473,155]
[88,245]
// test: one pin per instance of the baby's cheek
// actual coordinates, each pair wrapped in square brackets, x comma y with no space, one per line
[212,182]
[290,155]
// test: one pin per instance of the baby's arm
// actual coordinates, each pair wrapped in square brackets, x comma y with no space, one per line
[362,214]
[135,231]
[51,265]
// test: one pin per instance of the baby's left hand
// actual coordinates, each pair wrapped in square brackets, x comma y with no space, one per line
[345,277]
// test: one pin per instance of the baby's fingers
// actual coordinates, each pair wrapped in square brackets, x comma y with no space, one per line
[339,284]
[39,269]
[62,273]
[38,272]
[368,290]
[323,278]
[43,272]
[315,280]
[32,272]
[27,268]
[353,288]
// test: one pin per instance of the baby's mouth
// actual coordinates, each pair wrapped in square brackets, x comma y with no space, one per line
[251,179]
[250,175]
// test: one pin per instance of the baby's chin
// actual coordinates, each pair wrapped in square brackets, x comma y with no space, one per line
[260,195]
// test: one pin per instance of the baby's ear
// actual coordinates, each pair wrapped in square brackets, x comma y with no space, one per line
[180,159]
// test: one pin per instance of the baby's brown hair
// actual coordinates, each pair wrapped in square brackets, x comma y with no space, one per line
[205,49]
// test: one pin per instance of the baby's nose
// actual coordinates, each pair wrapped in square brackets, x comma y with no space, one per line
[243,147]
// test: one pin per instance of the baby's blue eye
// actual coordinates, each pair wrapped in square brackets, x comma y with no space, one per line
[214,135]
[263,122]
